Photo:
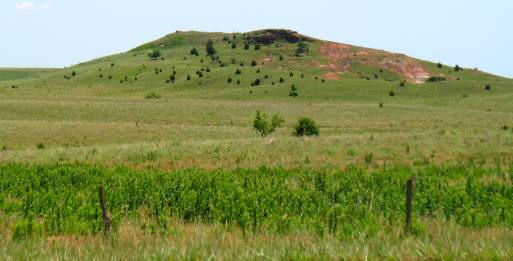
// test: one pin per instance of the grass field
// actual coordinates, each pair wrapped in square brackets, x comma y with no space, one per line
[372,114]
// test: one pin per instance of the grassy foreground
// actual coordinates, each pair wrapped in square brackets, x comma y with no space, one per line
[459,212]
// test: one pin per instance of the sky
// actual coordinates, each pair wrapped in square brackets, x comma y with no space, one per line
[58,33]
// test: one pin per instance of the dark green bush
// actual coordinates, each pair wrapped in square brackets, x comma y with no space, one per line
[306,127]
[210,48]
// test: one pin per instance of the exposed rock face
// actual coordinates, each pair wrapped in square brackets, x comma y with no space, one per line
[341,56]
[271,36]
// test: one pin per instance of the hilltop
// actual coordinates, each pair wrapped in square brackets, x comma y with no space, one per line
[274,50]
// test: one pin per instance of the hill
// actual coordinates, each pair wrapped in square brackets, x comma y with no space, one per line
[128,103]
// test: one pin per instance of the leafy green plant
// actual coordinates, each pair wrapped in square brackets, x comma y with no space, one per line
[306,127]
[265,126]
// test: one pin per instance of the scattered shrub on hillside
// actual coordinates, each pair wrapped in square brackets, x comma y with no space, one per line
[234,45]
[293,91]
[154,55]
[172,78]
[302,47]
[238,71]
[188,77]
[73,73]
[238,81]
[266,76]
[391,93]
[40,146]
[101,75]
[258,71]
[323,80]
[257,82]
[381,105]
[402,83]
[153,95]
[505,127]
[257,47]
[194,51]
[208,69]
[246,46]
[291,74]
[302,75]
[229,80]
[282,80]
[488,87]
[457,68]
[234,61]
[306,127]
[281,57]
[225,38]
[112,65]
[110,77]
[210,48]
[439,65]
[254,63]
[436,79]
[241,64]
[265,126]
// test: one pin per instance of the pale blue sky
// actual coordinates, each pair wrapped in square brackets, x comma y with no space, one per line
[56,33]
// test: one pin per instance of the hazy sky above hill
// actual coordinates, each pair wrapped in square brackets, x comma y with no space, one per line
[56,33]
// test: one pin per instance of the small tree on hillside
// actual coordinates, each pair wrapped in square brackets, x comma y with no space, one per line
[302,47]
[194,51]
[263,125]
[210,48]
[155,55]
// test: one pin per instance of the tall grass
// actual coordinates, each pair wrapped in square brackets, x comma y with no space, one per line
[64,197]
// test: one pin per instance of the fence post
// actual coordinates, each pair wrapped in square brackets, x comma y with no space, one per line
[105,215]
[409,195]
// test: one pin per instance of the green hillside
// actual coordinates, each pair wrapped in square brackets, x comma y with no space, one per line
[207,103]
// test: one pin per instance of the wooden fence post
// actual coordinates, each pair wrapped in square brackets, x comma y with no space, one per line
[409,196]
[105,215]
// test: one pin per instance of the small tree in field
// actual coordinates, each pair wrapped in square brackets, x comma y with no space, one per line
[265,126]
[306,127]
[210,48]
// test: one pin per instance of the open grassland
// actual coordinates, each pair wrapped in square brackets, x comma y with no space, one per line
[459,212]
[8,74]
